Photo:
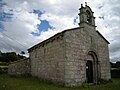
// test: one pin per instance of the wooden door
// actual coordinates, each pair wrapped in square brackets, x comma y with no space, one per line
[89,71]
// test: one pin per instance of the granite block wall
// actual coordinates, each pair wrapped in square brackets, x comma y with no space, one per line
[47,61]
[21,67]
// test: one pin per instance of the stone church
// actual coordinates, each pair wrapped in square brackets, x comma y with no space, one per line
[73,56]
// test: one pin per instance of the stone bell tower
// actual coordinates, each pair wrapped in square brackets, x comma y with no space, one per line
[86,16]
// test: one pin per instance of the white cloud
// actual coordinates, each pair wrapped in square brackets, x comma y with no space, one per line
[60,22]
[60,14]
[19,29]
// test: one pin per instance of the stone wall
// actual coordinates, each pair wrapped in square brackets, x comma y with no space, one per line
[103,56]
[75,64]
[64,59]
[77,45]
[47,60]
[21,67]
[100,46]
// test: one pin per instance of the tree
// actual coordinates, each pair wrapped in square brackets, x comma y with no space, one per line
[0,53]
[115,65]
[118,64]
[11,56]
[22,53]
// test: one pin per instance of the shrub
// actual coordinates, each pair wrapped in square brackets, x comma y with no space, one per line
[4,64]
[3,69]
[115,73]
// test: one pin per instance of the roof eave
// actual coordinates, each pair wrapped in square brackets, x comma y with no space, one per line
[103,37]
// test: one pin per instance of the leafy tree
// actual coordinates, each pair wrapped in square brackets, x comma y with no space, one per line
[10,57]
[22,52]
[118,64]
[0,52]
[115,65]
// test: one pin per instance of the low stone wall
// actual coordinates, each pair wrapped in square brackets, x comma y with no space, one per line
[3,69]
[21,67]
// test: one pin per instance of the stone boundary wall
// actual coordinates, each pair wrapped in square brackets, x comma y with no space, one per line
[21,67]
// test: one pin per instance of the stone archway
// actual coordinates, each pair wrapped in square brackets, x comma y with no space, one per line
[91,68]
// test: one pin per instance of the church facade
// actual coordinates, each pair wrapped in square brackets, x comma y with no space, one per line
[73,56]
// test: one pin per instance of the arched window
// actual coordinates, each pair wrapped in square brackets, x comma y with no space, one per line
[88,16]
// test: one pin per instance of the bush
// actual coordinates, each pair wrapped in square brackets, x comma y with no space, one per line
[4,64]
[102,81]
[115,73]
[3,69]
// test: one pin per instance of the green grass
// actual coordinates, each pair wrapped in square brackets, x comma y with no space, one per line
[29,83]
[115,68]
[4,64]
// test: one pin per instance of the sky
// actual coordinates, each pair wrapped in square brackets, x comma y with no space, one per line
[24,23]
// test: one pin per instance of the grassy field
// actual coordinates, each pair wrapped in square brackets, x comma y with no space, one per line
[29,83]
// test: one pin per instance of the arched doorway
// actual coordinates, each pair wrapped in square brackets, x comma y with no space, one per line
[91,68]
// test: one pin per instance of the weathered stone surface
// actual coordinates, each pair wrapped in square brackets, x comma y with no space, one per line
[47,62]
[21,67]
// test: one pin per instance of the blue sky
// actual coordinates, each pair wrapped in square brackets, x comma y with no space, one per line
[42,26]
[25,23]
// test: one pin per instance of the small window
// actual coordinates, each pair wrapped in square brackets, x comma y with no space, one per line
[88,16]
